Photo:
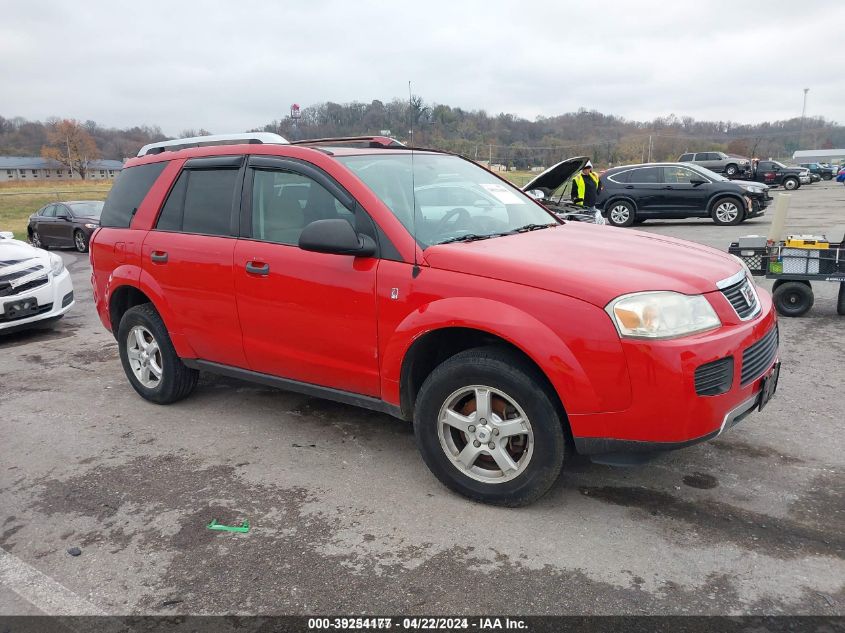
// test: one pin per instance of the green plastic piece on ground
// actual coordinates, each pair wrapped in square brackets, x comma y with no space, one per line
[214,525]
[776,267]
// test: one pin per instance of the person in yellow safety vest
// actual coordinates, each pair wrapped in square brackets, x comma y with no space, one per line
[586,187]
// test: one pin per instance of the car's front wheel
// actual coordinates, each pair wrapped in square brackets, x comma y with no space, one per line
[80,242]
[731,170]
[154,369]
[621,213]
[488,428]
[791,183]
[727,212]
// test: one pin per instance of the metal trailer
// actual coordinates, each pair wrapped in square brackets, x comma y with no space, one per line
[794,268]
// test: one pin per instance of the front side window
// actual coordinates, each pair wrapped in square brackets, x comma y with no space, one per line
[685,158]
[677,175]
[440,198]
[200,202]
[61,211]
[284,203]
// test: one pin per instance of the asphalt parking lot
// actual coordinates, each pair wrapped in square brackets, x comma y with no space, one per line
[346,518]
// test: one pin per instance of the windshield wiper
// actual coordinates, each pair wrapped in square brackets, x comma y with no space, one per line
[532,227]
[469,237]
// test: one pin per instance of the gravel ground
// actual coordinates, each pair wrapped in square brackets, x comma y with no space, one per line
[346,518]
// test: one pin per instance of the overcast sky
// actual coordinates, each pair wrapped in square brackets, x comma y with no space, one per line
[229,66]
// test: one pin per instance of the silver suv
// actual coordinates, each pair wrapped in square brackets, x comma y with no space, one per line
[718,162]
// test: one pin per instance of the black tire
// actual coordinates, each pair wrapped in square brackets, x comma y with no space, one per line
[506,371]
[177,381]
[793,298]
[721,213]
[828,176]
[35,240]
[80,242]
[731,170]
[622,210]
[790,184]
[840,300]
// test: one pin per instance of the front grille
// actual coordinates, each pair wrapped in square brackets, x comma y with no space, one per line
[6,289]
[6,279]
[736,295]
[41,310]
[712,379]
[758,357]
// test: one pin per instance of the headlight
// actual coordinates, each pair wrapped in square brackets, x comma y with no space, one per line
[89,225]
[662,314]
[56,264]
[752,189]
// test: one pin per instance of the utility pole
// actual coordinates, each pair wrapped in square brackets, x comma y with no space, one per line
[803,114]
[490,156]
[649,148]
[69,159]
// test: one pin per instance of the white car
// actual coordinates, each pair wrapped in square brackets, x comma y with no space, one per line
[35,286]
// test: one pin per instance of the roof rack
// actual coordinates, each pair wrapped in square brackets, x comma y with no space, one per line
[356,141]
[213,139]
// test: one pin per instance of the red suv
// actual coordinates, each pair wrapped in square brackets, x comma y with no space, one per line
[419,284]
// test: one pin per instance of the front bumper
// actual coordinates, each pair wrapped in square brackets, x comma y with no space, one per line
[667,413]
[57,293]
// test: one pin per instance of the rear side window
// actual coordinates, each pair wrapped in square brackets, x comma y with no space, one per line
[200,202]
[622,176]
[685,158]
[646,175]
[129,190]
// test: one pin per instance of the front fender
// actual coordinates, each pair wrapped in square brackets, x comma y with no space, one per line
[580,387]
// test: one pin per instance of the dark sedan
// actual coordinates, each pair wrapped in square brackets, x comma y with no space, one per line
[634,193]
[65,224]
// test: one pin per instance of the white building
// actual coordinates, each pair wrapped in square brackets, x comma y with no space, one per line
[29,168]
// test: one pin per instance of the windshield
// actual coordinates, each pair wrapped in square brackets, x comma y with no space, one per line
[712,175]
[86,209]
[451,199]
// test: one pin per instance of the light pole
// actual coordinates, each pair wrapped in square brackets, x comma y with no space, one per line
[803,113]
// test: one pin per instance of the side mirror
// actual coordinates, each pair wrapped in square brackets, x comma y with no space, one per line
[696,181]
[337,237]
[537,194]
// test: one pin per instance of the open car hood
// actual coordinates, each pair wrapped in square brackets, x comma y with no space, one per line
[558,174]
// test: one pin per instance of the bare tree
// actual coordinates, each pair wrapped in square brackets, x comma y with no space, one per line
[70,144]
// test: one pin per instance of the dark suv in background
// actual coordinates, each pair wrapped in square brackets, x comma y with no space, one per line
[825,173]
[672,190]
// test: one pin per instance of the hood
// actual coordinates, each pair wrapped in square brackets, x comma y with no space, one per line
[14,251]
[589,262]
[558,174]
[750,183]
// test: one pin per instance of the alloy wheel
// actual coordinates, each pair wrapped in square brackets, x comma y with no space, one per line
[35,239]
[79,241]
[144,356]
[727,211]
[620,214]
[486,434]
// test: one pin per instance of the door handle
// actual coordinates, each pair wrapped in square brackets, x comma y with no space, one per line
[158,257]
[667,187]
[629,186]
[258,268]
